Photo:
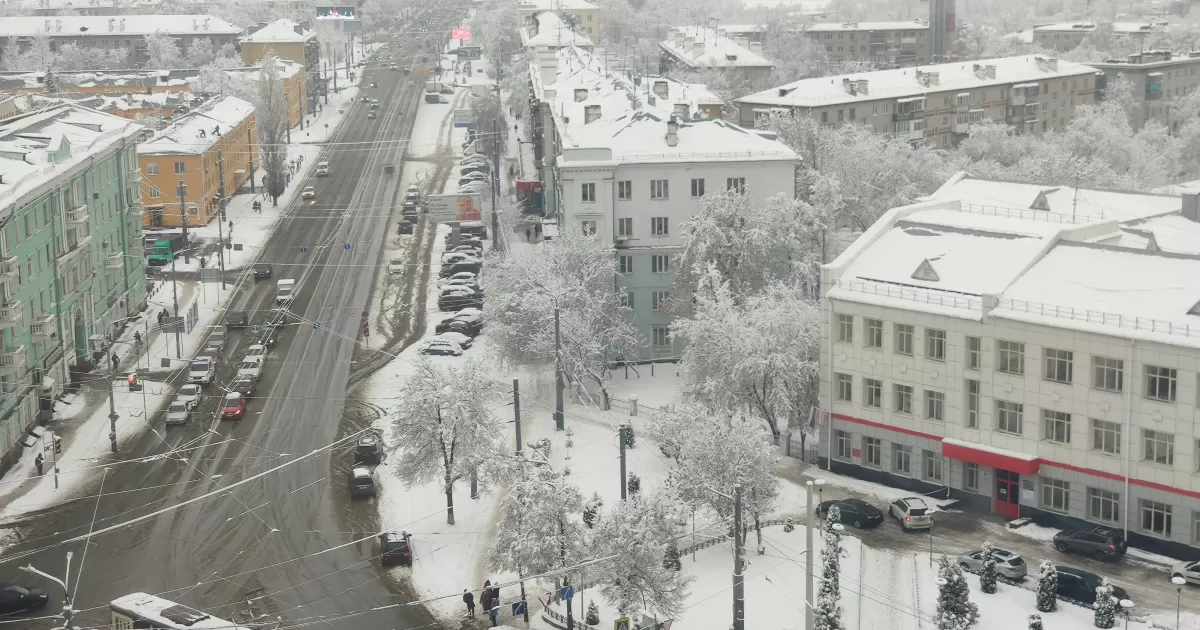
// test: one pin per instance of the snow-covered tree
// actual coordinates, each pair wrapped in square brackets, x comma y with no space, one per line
[1035,622]
[827,614]
[760,354]
[200,53]
[671,557]
[1106,605]
[591,510]
[637,531]
[574,273]
[538,530]
[593,614]
[1047,587]
[271,117]
[497,28]
[74,58]
[163,52]
[633,485]
[987,576]
[446,427]
[955,610]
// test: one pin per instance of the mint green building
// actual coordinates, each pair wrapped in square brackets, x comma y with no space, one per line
[71,259]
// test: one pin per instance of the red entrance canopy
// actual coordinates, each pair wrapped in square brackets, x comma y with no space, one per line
[990,456]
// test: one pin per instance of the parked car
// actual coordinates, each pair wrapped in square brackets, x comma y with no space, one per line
[405,227]
[369,450]
[310,192]
[459,257]
[472,250]
[234,406]
[455,298]
[396,266]
[1079,585]
[245,387]
[180,412]
[470,284]
[450,270]
[215,343]
[471,318]
[250,369]
[464,275]
[262,270]
[16,599]
[854,512]
[236,319]
[441,347]
[256,353]
[464,341]
[1189,570]
[912,512]
[395,548]
[1103,543]
[1008,564]
[190,394]
[362,482]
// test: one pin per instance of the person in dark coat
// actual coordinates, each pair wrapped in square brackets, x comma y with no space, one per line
[37,461]
[469,600]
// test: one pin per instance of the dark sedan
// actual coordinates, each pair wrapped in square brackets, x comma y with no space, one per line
[1079,585]
[16,599]
[854,512]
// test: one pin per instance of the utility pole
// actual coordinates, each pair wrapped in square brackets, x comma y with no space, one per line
[517,422]
[112,411]
[221,219]
[181,190]
[68,610]
[624,483]
[570,617]
[739,550]
[558,375]
[808,553]
[175,299]
[500,128]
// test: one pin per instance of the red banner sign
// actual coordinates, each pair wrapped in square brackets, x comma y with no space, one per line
[460,33]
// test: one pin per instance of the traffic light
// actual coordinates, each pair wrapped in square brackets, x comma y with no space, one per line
[57,445]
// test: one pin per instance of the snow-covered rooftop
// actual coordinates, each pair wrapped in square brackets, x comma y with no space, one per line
[280,32]
[39,147]
[194,132]
[1087,27]
[1082,203]
[703,47]
[868,26]
[1172,233]
[556,5]
[114,26]
[641,137]
[903,82]
[549,30]
[1149,58]
[131,80]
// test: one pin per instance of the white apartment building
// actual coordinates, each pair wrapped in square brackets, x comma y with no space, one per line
[1032,350]
[708,48]
[937,104]
[1069,35]
[629,161]
[125,31]
[883,44]
[1158,78]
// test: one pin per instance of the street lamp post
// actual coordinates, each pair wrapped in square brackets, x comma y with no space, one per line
[68,610]
[1179,582]
[1127,606]
[808,555]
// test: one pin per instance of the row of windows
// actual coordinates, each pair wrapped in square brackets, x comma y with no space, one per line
[1160,383]
[902,456]
[1158,447]
[658,301]
[659,188]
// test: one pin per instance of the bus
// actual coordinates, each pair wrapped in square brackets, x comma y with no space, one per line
[142,610]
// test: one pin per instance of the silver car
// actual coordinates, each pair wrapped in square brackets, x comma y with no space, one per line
[179,412]
[1008,564]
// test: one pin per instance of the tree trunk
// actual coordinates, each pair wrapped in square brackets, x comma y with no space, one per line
[449,505]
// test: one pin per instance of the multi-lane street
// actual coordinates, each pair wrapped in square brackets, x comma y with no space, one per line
[286,541]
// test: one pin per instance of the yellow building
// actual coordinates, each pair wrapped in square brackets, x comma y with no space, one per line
[190,150]
[289,41]
[581,14]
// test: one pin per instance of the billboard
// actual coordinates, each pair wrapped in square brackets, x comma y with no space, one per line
[460,33]
[337,13]
[455,207]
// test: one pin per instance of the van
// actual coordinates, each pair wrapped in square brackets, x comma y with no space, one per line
[322,169]
[202,370]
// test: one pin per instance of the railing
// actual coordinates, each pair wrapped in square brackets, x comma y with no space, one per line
[719,154]
[12,359]
[77,215]
[1029,214]
[11,313]
[43,327]
[73,251]
[911,294]
[10,266]
[1101,318]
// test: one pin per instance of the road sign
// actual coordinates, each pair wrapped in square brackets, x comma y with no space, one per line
[303,250]
[210,275]
[567,592]
[622,624]
[346,247]
[518,608]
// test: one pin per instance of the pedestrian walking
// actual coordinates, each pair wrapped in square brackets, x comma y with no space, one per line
[137,338]
[161,315]
[37,461]
[203,262]
[494,611]
[116,362]
[528,236]
[468,599]
[231,227]
[485,596]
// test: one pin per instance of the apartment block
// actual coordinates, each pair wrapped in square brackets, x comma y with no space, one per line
[1158,76]
[71,260]
[288,41]
[1069,35]
[937,104]
[705,48]
[583,15]
[1028,349]
[127,31]
[881,44]
[548,31]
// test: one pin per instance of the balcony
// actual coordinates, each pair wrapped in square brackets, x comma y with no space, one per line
[9,268]
[1016,100]
[916,134]
[116,260]
[962,127]
[45,327]
[75,251]
[12,360]
[78,215]
[11,314]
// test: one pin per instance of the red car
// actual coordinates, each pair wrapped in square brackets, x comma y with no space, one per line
[234,406]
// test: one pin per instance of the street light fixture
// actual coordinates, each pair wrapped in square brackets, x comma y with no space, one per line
[1179,582]
[808,558]
[1127,605]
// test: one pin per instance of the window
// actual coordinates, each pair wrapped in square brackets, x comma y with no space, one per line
[1108,374]
[972,389]
[589,192]
[1156,517]
[155,193]
[872,451]
[625,226]
[1104,505]
[1106,436]
[736,184]
[1058,365]
[935,344]
[659,226]
[902,458]
[588,227]
[697,187]
[1196,525]
[872,392]
[935,405]
[844,386]
[627,300]
[179,168]
[658,189]
[903,398]
[845,328]
[842,440]
[933,466]
[1056,426]
[904,338]
[1011,357]
[1160,383]
[874,330]
[1008,416]
[1056,495]
[970,476]
[658,336]
[660,263]
[659,299]
[152,168]
[1158,447]
[624,264]
[625,190]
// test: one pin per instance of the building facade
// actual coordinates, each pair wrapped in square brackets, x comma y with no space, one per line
[1069,35]
[583,15]
[705,48]
[71,259]
[936,105]
[128,31]
[1014,358]
[288,41]
[880,44]
[1158,77]
[195,149]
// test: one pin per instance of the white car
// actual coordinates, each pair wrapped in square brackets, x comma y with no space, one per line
[250,369]
[202,371]
[396,266]
[1008,564]
[189,394]
[442,347]
[457,279]
[462,340]
[256,353]
[309,193]
[179,412]
[1189,570]
[912,512]
[457,257]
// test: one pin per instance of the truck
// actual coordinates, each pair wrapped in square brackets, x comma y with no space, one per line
[283,291]
[165,249]
[433,87]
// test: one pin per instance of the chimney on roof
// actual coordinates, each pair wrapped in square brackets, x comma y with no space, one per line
[1191,206]
[581,94]
[1052,62]
[591,113]
[673,131]
[679,37]
[206,23]
[112,24]
[661,89]
[122,25]
[849,85]
[978,69]
[756,48]
[299,29]
[1041,63]
[195,25]
[57,26]
[548,67]
[683,111]
[698,47]
[862,86]
[989,71]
